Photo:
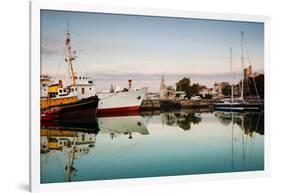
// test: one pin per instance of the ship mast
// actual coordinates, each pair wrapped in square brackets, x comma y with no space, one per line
[230,50]
[70,56]
[242,66]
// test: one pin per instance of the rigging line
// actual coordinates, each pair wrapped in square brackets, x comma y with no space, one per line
[247,53]
[106,59]
[62,57]
[256,89]
[250,63]
[60,63]
[90,43]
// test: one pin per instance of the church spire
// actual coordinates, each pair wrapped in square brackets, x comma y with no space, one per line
[162,88]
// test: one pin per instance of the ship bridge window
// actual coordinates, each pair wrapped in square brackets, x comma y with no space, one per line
[83,90]
[52,94]
[90,82]
[79,77]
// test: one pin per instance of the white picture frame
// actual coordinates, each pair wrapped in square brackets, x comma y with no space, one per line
[36,6]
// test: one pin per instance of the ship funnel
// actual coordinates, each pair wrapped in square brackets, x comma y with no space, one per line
[60,83]
[130,84]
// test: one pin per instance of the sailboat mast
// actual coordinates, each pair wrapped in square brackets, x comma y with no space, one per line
[230,50]
[69,58]
[242,66]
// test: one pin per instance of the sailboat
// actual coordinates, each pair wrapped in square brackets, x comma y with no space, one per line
[238,104]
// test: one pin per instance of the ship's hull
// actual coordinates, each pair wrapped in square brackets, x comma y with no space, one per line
[112,104]
[82,111]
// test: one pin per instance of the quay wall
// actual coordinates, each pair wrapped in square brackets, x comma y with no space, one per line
[157,104]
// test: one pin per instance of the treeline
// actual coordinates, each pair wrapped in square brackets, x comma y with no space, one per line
[190,90]
[253,87]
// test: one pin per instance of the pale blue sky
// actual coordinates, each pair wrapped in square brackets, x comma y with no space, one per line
[122,45]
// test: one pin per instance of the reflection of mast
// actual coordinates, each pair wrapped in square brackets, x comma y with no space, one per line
[69,164]
[232,162]
[243,142]
[71,143]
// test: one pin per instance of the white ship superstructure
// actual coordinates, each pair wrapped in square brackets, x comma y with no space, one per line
[85,86]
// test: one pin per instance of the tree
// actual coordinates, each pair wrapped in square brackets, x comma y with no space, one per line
[183,85]
[194,89]
[252,89]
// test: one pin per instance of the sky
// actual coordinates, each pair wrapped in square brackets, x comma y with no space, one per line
[112,48]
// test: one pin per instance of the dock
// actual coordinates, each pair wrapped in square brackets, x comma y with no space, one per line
[157,104]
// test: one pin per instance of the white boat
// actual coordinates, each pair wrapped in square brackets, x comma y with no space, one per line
[121,102]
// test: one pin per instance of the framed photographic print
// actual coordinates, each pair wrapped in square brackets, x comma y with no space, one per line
[125,96]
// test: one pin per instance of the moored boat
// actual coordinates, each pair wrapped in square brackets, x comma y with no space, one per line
[239,104]
[82,88]
[121,103]
[63,102]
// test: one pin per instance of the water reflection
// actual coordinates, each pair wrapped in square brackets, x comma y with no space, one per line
[181,119]
[215,142]
[71,142]
[249,122]
[124,125]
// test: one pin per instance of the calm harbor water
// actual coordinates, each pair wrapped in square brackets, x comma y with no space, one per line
[152,144]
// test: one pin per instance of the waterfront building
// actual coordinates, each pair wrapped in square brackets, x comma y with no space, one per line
[169,92]
[218,88]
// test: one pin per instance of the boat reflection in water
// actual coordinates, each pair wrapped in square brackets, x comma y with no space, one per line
[71,143]
[72,140]
[152,144]
[251,125]
[123,125]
